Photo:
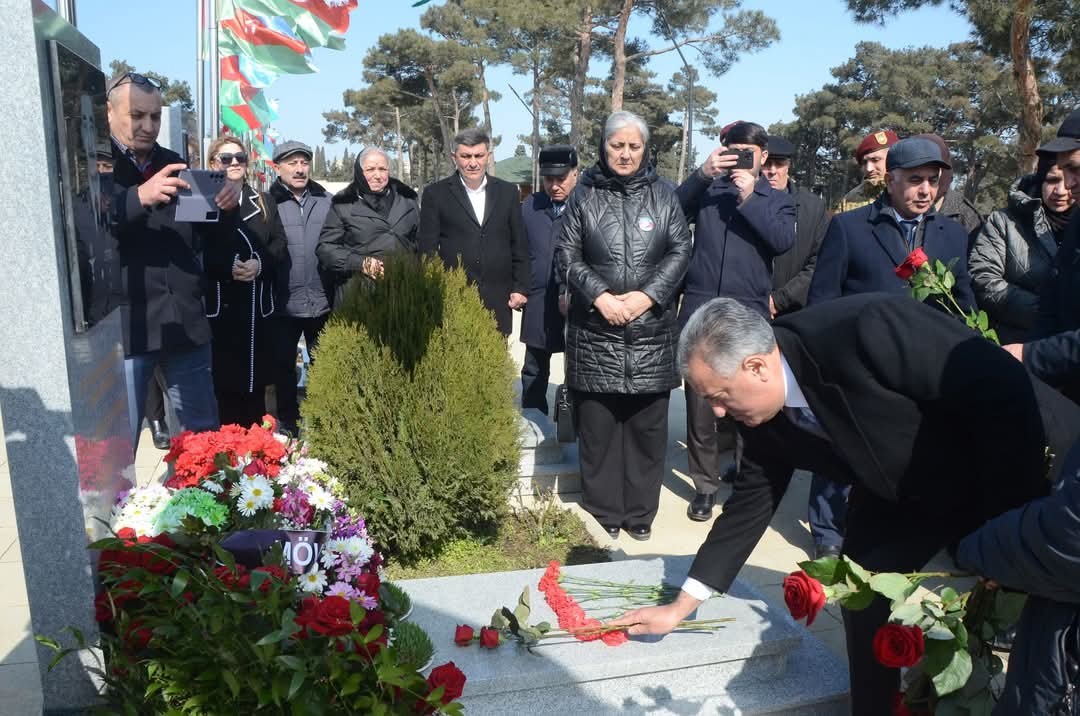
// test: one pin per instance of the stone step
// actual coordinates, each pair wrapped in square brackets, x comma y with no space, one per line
[561,478]
[761,663]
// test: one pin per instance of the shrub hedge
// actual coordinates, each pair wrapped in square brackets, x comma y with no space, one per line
[410,400]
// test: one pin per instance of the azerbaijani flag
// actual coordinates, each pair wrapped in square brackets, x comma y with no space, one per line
[267,40]
[319,23]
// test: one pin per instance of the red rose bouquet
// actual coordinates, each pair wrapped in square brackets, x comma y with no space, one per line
[943,639]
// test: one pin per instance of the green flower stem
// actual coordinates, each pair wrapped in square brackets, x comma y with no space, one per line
[689,625]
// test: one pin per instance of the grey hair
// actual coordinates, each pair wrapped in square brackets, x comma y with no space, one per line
[471,137]
[621,120]
[724,333]
[368,151]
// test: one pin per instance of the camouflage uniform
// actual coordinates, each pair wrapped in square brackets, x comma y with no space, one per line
[865,193]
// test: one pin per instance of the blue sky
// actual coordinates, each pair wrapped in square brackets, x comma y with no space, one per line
[815,35]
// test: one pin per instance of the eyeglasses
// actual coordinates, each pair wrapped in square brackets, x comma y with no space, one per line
[135,78]
[227,158]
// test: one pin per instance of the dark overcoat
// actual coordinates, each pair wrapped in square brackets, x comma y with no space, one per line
[1055,356]
[734,243]
[916,408]
[239,311]
[542,323]
[793,270]
[494,251]
[160,262]
[863,247]
[354,231]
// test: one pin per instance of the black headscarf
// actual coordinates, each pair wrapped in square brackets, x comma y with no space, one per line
[380,202]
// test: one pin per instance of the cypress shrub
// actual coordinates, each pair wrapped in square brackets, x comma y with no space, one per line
[410,401]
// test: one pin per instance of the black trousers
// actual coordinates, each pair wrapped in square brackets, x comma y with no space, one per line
[534,378]
[886,537]
[155,397]
[244,409]
[622,442]
[707,439]
[288,331]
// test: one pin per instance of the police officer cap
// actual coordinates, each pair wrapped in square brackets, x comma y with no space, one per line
[558,159]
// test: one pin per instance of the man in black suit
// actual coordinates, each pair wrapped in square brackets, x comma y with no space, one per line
[475,219]
[936,428]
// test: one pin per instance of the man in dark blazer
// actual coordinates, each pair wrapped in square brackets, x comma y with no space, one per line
[792,270]
[740,225]
[936,428]
[475,220]
[863,247]
[860,253]
[543,317]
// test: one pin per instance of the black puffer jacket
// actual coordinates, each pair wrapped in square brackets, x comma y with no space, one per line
[355,229]
[622,235]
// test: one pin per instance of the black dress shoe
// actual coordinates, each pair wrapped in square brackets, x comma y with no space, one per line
[612,532]
[1004,640]
[160,435]
[700,508]
[826,550]
[639,532]
[729,474]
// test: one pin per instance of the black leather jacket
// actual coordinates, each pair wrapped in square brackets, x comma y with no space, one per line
[620,236]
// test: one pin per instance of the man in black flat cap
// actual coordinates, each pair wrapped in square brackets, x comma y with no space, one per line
[542,322]
[793,269]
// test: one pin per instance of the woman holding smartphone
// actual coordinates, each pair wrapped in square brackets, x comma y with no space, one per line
[240,297]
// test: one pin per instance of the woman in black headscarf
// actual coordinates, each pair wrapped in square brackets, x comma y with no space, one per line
[623,250]
[373,217]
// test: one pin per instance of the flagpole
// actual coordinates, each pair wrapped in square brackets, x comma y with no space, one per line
[200,82]
[215,72]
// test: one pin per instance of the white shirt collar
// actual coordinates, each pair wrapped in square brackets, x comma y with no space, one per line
[793,395]
[477,190]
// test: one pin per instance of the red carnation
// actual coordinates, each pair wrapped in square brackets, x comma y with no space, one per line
[804,596]
[449,677]
[489,638]
[912,263]
[463,635]
[269,423]
[896,645]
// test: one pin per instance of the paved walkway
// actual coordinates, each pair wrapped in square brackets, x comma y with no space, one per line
[784,544]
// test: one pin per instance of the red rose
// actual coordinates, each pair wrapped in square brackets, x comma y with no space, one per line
[489,638]
[329,616]
[463,635]
[896,645]
[371,618]
[449,677]
[102,608]
[368,583]
[804,596]
[911,264]
[137,636]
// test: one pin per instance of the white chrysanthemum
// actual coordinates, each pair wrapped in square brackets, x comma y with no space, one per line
[247,505]
[236,489]
[211,486]
[309,487]
[314,581]
[328,557]
[321,500]
[259,490]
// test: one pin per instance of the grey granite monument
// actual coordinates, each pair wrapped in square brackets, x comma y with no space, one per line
[62,389]
[760,663]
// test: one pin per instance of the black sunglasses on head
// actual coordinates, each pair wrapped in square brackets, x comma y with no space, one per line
[227,158]
[135,78]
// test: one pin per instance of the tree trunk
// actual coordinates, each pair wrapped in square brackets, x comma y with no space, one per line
[400,141]
[443,128]
[685,136]
[618,70]
[536,125]
[1031,113]
[582,52]
[457,113]
[485,100]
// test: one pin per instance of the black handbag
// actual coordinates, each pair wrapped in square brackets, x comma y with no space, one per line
[564,415]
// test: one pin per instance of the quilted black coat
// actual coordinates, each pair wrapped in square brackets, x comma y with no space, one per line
[621,235]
